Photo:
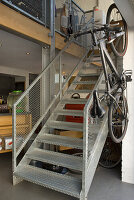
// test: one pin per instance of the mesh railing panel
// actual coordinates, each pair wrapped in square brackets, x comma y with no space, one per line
[38,9]
[28,112]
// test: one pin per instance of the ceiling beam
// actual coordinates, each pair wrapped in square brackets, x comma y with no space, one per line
[19,24]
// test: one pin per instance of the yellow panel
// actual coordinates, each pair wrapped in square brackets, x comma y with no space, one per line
[74,134]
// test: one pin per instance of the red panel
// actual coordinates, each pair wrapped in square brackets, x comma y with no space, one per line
[76,119]
[74,106]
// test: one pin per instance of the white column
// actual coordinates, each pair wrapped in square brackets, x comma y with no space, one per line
[128,142]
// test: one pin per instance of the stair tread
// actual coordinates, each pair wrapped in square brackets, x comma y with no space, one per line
[93,65]
[86,67]
[84,91]
[65,125]
[88,74]
[74,101]
[61,140]
[84,82]
[62,183]
[60,159]
[69,112]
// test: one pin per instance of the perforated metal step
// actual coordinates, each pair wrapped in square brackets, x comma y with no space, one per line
[69,112]
[65,125]
[84,82]
[89,75]
[85,91]
[62,183]
[74,101]
[55,158]
[61,141]
[91,66]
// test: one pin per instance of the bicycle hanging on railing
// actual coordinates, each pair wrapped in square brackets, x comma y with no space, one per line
[116,83]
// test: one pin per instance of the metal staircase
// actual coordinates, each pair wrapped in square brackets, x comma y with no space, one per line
[44,150]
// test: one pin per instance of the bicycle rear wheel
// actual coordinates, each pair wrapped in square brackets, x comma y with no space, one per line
[118,118]
[114,17]
[111,154]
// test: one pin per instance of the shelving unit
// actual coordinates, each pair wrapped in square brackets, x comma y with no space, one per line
[25,123]
[5,151]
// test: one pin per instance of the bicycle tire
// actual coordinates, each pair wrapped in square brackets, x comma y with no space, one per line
[124,27]
[116,125]
[111,154]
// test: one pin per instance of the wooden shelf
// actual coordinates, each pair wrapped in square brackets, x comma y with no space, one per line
[6,151]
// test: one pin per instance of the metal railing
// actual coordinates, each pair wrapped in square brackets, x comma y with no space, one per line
[39,10]
[81,20]
[29,112]
[89,135]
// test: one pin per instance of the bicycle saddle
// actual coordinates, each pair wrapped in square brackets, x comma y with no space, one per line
[96,109]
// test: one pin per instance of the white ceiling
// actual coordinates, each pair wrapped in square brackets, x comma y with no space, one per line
[13,51]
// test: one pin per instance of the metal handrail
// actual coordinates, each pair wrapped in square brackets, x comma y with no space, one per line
[78,6]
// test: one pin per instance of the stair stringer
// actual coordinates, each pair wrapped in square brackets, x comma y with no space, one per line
[94,159]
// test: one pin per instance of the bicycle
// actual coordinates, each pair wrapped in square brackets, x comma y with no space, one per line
[116,84]
[111,154]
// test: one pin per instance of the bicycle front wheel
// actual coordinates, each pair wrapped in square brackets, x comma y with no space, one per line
[118,118]
[114,18]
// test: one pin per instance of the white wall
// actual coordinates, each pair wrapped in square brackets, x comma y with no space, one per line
[128,142]
[127,9]
[86,4]
[104,4]
[89,4]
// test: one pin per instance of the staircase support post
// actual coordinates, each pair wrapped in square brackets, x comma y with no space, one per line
[52,48]
[16,180]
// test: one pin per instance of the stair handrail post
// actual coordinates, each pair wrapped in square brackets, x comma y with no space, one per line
[60,75]
[14,164]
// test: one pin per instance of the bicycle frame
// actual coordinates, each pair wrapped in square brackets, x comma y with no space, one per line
[106,58]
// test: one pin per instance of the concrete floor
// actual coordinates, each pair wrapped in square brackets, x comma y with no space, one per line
[106,186]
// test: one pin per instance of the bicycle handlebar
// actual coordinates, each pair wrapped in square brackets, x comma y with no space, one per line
[104,28]
[108,29]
